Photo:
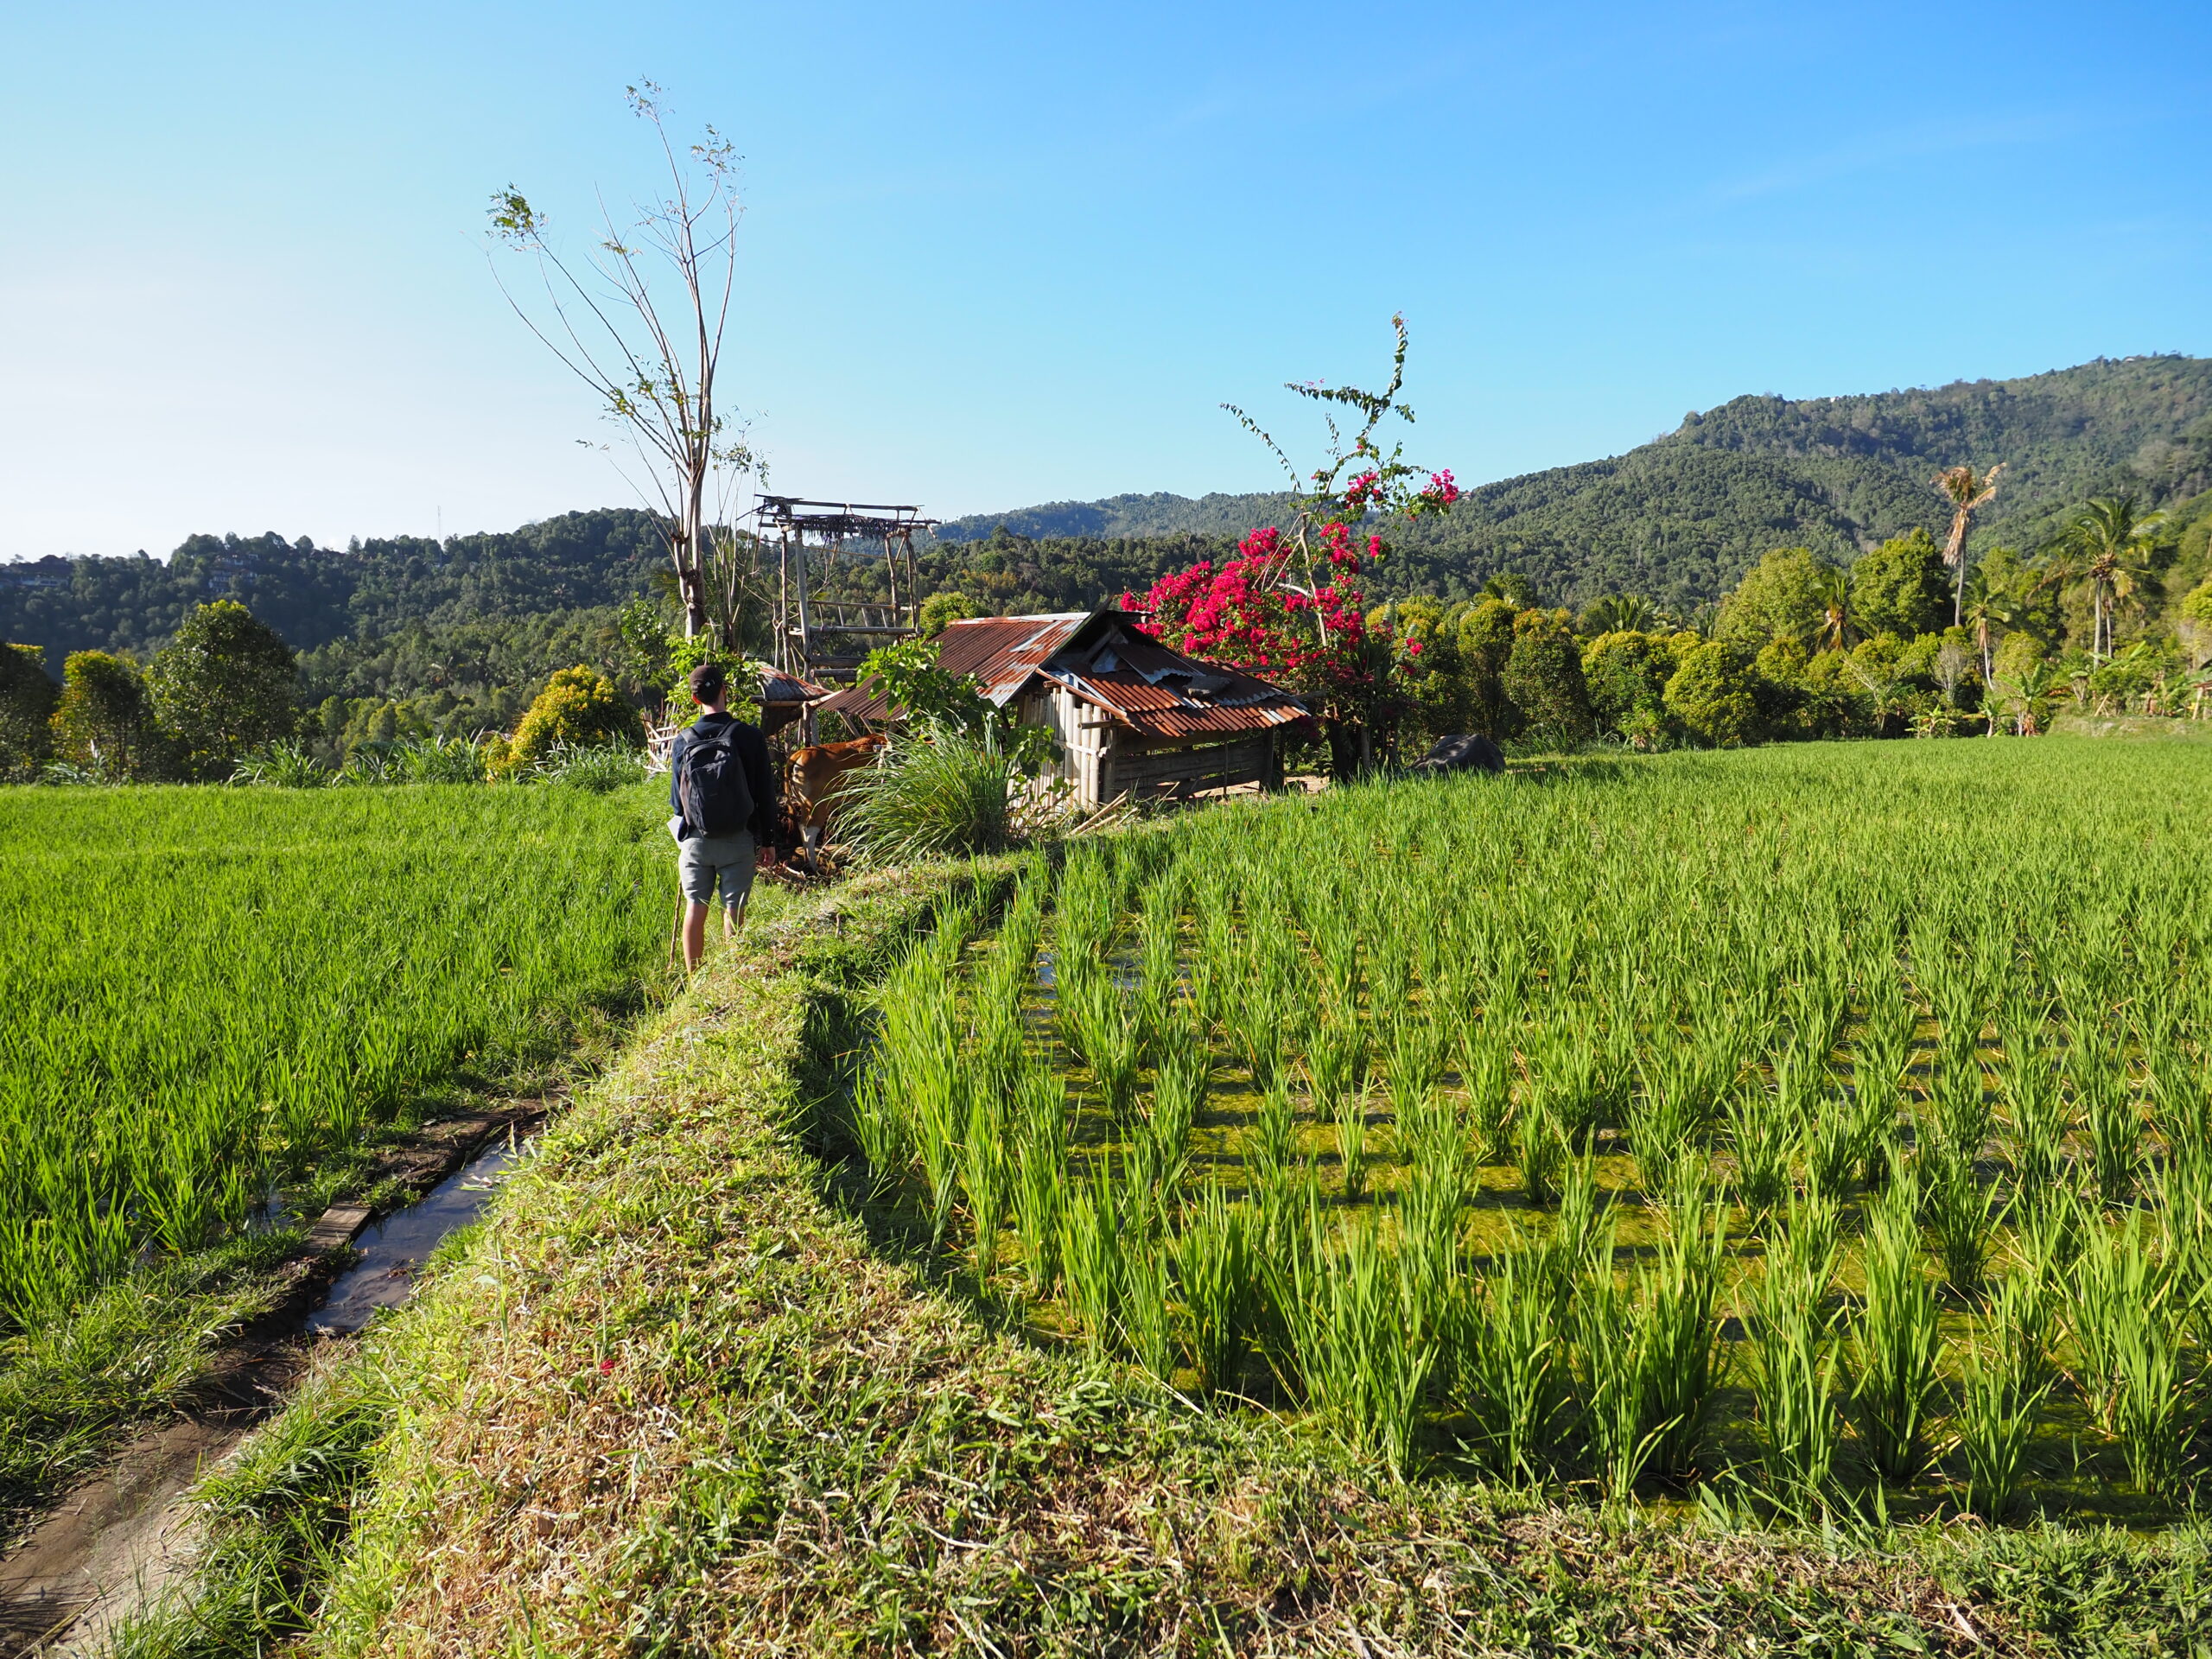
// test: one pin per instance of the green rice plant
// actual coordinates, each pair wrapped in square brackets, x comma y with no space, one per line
[1510,1367]
[1581,1242]
[1336,1066]
[1092,1260]
[1663,1126]
[1160,960]
[2126,1333]
[1040,1183]
[1264,1010]
[1761,1138]
[1350,1123]
[1147,1322]
[1416,1052]
[1894,1342]
[2038,1118]
[1163,1138]
[2109,1114]
[1793,1376]
[1275,1132]
[1834,1148]
[1540,1152]
[1109,1036]
[1613,1360]
[1959,1212]
[2003,1382]
[1564,1080]
[1218,1272]
[1680,1363]
[1362,1363]
[986,1174]
[1961,1111]
[1484,1069]
[1430,1211]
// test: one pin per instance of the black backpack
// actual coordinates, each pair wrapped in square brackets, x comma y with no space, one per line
[710,782]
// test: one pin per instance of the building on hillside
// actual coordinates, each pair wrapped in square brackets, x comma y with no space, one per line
[1132,716]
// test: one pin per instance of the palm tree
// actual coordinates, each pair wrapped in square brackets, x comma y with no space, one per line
[1989,606]
[2106,550]
[1620,613]
[1967,490]
[2034,684]
[1838,623]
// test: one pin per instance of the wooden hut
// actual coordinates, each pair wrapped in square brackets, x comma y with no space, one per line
[1133,717]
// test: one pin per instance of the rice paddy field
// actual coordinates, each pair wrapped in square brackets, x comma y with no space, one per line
[1810,1127]
[210,993]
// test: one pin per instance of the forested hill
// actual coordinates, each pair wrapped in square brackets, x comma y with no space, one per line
[314,595]
[1680,518]
[1677,520]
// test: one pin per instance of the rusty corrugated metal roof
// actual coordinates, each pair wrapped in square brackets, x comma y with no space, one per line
[1001,653]
[1155,692]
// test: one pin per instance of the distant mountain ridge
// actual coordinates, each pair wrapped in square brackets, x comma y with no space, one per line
[1683,516]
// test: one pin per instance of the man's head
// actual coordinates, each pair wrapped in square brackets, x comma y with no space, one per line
[710,685]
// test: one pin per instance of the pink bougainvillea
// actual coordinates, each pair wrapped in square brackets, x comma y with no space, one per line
[1290,605]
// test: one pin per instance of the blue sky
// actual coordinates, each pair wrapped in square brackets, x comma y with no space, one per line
[997,254]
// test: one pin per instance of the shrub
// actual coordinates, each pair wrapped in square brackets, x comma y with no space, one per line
[1900,587]
[442,760]
[283,766]
[954,793]
[1627,674]
[27,700]
[1781,597]
[223,687]
[101,723]
[1714,693]
[941,608]
[1543,676]
[598,768]
[578,708]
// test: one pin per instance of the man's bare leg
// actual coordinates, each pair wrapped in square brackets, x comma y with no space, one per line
[695,933]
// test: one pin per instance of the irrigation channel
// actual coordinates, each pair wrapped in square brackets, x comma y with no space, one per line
[1815,1129]
[116,1542]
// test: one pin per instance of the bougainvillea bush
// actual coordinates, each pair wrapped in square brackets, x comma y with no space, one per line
[1290,607]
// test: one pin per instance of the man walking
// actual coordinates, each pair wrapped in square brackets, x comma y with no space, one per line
[723,791]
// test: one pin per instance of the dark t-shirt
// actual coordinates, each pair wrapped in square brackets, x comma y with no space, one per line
[760,776]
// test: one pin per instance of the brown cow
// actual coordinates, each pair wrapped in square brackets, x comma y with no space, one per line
[816,777]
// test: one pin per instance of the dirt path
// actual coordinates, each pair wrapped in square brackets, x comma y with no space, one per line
[116,1542]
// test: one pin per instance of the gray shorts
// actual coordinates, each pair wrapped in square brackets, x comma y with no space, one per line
[701,860]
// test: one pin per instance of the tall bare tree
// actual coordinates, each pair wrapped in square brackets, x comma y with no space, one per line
[1968,491]
[639,318]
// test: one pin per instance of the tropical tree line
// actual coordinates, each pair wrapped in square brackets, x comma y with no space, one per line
[1912,638]
[221,703]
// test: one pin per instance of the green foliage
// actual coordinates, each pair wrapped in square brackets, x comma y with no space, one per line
[2196,605]
[1485,641]
[101,722]
[1627,674]
[1715,694]
[940,608]
[1900,587]
[1781,597]
[1544,677]
[579,709]
[937,701]
[27,700]
[222,686]
[952,792]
